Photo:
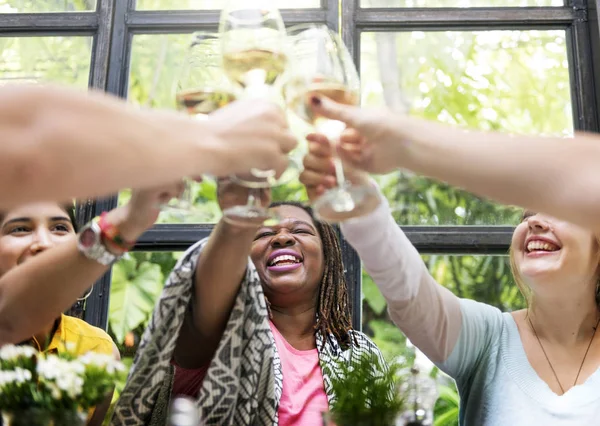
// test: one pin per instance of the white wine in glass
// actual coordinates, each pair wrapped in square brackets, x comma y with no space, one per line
[200,90]
[323,66]
[255,66]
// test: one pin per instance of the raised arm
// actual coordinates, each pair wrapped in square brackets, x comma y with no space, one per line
[57,144]
[426,312]
[219,274]
[435,320]
[560,177]
[35,292]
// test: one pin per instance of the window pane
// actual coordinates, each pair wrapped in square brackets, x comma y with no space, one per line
[64,60]
[460,3]
[37,6]
[217,4]
[155,63]
[485,279]
[510,81]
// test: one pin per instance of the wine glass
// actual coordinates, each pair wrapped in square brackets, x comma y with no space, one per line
[254,46]
[200,90]
[323,66]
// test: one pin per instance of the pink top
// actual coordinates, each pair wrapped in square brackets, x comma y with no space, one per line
[303,398]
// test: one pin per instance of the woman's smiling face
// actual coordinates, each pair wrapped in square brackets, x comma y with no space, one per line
[31,229]
[289,256]
[546,249]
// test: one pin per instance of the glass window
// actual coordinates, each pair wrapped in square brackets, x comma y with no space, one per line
[510,81]
[37,6]
[217,4]
[61,59]
[486,279]
[460,3]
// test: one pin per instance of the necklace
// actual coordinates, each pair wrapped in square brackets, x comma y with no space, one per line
[548,359]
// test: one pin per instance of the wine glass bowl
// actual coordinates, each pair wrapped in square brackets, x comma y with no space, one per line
[200,89]
[253,45]
[323,66]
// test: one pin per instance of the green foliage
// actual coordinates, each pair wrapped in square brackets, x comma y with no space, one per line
[459,3]
[215,4]
[61,59]
[136,285]
[36,6]
[367,394]
[446,407]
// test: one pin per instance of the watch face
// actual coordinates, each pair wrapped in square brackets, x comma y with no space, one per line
[87,238]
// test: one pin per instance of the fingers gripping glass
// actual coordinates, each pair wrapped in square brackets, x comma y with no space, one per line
[323,66]
[253,40]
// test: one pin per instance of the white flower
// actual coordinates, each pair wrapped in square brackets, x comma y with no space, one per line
[71,384]
[47,368]
[12,352]
[107,362]
[22,375]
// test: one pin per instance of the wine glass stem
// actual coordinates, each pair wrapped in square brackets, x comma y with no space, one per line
[256,90]
[254,198]
[339,171]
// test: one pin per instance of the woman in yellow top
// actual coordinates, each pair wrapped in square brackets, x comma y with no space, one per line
[29,231]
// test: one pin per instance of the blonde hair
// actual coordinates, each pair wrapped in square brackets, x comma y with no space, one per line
[526,290]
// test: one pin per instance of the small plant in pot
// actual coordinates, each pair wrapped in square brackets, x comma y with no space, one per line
[367,393]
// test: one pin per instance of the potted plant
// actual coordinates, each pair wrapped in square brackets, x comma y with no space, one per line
[367,394]
[38,389]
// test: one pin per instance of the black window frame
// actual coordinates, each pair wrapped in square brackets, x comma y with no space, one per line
[114,23]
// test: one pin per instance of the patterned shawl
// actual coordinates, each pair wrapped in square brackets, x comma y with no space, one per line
[244,381]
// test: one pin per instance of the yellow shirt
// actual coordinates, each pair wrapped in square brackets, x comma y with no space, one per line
[79,337]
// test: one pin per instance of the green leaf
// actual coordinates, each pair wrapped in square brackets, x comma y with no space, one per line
[133,295]
[372,295]
[447,418]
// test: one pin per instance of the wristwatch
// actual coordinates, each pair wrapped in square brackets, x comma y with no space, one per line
[91,245]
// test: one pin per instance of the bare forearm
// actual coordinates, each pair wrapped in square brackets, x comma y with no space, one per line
[557,176]
[219,274]
[35,293]
[59,144]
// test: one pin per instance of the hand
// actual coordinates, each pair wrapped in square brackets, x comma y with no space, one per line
[250,134]
[230,194]
[375,140]
[319,170]
[142,210]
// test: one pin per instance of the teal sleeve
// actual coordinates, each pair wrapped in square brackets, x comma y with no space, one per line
[480,330]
